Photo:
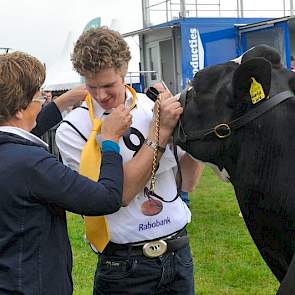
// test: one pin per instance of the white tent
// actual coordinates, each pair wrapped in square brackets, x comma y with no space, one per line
[61,76]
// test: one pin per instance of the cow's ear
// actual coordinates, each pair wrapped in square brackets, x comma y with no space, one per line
[264,51]
[251,80]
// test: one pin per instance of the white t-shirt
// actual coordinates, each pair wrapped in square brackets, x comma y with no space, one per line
[129,224]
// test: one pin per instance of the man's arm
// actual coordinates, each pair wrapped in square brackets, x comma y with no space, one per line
[137,171]
[191,171]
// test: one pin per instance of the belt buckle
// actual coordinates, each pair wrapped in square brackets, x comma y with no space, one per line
[154,248]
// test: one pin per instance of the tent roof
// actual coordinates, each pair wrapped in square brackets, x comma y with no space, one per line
[61,76]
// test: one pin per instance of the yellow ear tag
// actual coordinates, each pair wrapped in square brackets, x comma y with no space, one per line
[256,91]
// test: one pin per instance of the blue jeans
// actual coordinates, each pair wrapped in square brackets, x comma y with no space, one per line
[171,273]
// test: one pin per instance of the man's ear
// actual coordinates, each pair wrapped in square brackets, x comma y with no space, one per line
[251,81]
[19,115]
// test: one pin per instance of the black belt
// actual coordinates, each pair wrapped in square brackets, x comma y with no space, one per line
[151,249]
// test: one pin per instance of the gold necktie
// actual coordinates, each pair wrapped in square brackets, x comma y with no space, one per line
[97,230]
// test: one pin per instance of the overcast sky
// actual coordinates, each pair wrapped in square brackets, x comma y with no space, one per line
[40,27]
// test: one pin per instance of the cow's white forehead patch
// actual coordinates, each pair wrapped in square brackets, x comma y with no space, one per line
[238,60]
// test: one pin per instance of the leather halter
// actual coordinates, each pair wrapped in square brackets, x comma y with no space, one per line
[223,130]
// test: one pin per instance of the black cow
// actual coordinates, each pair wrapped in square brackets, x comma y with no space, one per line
[241,118]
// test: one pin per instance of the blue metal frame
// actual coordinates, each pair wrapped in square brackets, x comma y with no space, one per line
[287,44]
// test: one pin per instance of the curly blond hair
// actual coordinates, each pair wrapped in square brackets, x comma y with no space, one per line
[98,49]
[21,76]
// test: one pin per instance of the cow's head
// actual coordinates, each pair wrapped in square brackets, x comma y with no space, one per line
[221,94]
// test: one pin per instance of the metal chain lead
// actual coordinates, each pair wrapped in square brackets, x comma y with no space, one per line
[156,150]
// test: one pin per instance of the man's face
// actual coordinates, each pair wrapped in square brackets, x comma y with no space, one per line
[48,96]
[106,87]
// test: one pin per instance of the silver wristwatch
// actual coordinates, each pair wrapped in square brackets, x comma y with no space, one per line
[154,146]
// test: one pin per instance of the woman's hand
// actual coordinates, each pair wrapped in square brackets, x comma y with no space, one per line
[71,98]
[116,123]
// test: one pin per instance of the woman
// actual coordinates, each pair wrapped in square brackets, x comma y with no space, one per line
[36,189]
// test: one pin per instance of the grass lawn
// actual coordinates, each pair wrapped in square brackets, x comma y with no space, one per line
[226,260]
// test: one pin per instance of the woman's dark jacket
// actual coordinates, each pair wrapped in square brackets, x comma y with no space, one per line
[47,118]
[35,191]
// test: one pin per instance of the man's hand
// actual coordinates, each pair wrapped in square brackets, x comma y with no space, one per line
[170,108]
[170,111]
[161,88]
[116,124]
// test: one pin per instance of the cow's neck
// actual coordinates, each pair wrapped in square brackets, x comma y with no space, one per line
[259,159]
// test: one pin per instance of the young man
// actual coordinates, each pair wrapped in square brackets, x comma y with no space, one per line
[148,252]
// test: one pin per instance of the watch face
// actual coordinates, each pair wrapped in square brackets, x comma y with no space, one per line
[151,144]
[151,207]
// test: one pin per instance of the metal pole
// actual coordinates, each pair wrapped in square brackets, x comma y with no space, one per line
[196,1]
[291,8]
[182,8]
[167,16]
[242,8]
[238,8]
[145,13]
[284,7]
[174,53]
